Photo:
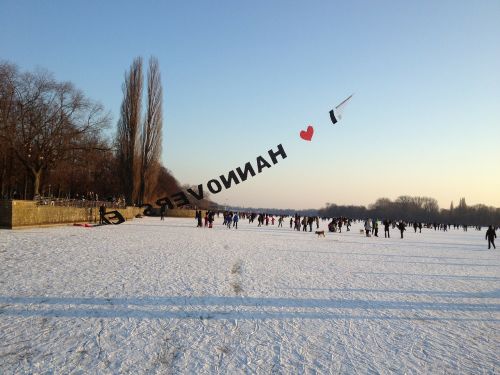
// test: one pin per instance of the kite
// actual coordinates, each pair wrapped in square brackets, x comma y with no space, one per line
[234,177]
[336,113]
[113,218]
[307,134]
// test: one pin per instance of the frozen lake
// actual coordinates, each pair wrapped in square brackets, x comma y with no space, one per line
[166,297]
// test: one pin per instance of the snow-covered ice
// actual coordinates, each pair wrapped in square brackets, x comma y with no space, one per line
[166,297]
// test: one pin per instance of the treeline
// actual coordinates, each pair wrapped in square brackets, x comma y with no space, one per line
[53,139]
[271,211]
[422,209]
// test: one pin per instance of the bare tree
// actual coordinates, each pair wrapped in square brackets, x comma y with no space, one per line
[151,135]
[43,120]
[128,130]
[8,74]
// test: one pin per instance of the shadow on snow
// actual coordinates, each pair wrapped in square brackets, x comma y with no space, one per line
[215,307]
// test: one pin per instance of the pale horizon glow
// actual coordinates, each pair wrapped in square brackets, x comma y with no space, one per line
[240,78]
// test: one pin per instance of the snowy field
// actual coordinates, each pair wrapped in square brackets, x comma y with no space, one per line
[165,297]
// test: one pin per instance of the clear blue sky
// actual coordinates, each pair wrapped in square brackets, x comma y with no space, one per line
[240,77]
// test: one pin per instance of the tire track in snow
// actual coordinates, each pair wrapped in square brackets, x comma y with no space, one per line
[276,360]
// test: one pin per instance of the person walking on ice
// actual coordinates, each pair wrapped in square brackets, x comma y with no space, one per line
[387,223]
[198,216]
[490,236]
[401,227]
[235,220]
[368,227]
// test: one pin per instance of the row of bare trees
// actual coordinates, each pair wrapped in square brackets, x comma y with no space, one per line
[52,139]
[406,208]
[420,209]
[138,139]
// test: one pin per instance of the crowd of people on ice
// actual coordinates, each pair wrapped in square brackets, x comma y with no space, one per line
[306,223]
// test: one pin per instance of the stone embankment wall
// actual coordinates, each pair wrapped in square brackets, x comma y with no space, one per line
[175,212]
[18,214]
[182,213]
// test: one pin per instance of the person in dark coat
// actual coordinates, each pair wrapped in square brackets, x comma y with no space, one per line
[386,223]
[102,212]
[198,216]
[490,236]
[401,227]
[331,225]
[162,212]
[375,227]
[211,218]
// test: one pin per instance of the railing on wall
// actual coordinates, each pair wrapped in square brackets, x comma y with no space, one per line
[78,203]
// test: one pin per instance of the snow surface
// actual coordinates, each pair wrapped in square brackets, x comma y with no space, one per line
[166,297]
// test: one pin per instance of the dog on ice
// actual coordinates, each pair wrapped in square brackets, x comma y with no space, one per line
[320,233]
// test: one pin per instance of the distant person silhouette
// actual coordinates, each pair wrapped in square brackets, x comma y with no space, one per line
[102,212]
[368,227]
[386,223]
[375,227]
[310,221]
[198,216]
[401,227]
[490,236]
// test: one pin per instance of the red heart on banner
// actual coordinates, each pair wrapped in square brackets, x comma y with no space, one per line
[308,134]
